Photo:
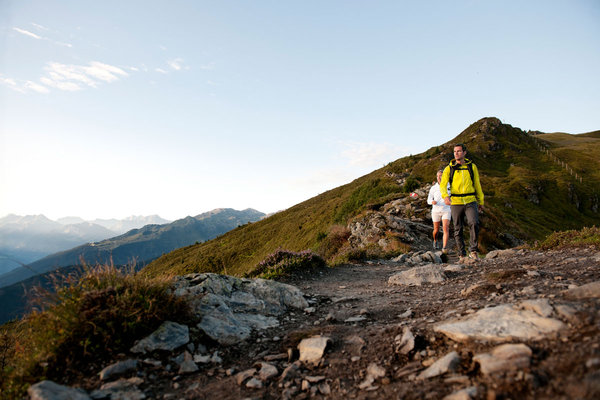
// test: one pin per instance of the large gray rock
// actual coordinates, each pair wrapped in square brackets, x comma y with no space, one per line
[498,324]
[585,291]
[230,308]
[169,336]
[48,390]
[418,276]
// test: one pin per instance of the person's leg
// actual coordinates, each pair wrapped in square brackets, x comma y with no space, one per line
[472,215]
[446,229]
[457,217]
[436,229]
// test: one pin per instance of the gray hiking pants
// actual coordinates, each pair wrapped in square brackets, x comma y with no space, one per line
[459,212]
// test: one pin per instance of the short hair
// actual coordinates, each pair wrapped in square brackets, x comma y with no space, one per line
[464,148]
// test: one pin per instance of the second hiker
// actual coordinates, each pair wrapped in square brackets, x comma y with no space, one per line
[465,198]
[440,212]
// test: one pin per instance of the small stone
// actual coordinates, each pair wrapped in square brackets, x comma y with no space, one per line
[290,372]
[305,385]
[324,388]
[267,371]
[254,383]
[506,357]
[312,349]
[586,291]
[118,368]
[445,364]
[240,377]
[310,310]
[375,371]
[405,343]
[463,394]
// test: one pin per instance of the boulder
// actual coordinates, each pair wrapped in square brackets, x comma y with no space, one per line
[48,390]
[169,336]
[418,276]
[499,324]
[589,290]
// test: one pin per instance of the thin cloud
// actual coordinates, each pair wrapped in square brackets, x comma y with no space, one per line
[177,64]
[36,87]
[162,71]
[27,33]
[43,28]
[11,83]
[371,154]
[38,37]
[71,77]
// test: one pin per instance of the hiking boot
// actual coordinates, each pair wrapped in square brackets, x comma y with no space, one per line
[473,255]
[435,245]
[444,251]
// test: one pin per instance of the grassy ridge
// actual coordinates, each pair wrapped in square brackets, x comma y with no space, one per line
[527,195]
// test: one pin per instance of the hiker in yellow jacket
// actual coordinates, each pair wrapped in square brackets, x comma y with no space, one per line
[465,200]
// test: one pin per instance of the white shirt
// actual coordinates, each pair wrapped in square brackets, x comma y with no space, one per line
[436,195]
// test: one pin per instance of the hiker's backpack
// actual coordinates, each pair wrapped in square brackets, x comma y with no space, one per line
[456,167]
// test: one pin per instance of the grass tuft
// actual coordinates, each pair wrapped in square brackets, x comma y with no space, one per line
[283,263]
[588,236]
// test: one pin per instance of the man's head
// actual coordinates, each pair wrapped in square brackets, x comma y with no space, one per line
[460,150]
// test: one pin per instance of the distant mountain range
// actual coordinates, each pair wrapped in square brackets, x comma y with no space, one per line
[139,246]
[24,239]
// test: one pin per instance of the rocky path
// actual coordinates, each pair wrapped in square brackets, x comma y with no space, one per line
[519,324]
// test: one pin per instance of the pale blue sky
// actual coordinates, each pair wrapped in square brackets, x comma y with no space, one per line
[114,108]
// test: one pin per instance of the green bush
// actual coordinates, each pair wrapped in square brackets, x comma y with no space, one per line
[411,184]
[284,262]
[588,236]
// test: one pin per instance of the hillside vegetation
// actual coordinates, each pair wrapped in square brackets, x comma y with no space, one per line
[528,196]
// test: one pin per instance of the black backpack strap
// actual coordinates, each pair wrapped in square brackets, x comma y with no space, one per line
[471,173]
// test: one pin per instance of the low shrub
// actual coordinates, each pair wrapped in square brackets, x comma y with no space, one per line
[331,243]
[284,263]
[85,322]
[588,236]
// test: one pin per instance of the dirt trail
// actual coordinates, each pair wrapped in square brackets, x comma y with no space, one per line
[356,307]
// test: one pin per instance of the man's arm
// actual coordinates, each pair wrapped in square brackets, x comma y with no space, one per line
[444,186]
[477,185]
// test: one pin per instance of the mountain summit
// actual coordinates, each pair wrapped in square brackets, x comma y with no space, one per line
[535,183]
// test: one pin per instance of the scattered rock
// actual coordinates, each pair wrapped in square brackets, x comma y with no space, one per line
[448,363]
[405,343]
[540,306]
[463,394]
[506,357]
[126,389]
[312,349]
[500,323]
[48,390]
[118,368]
[169,336]
[267,371]
[187,365]
[500,253]
[254,383]
[240,377]
[418,276]
[585,291]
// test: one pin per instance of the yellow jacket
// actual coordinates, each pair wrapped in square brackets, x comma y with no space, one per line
[463,190]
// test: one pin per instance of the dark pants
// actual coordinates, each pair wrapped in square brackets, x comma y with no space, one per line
[459,212]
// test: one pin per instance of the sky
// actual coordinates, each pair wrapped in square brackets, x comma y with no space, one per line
[117,108]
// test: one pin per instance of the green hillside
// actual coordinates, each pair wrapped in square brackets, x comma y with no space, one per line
[528,196]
